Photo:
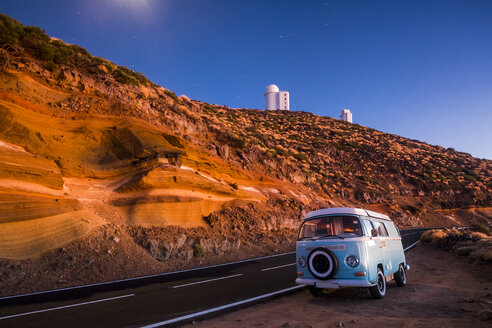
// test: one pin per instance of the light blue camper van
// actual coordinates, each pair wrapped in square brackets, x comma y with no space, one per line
[349,247]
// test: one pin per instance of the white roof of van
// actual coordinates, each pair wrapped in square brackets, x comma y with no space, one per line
[347,210]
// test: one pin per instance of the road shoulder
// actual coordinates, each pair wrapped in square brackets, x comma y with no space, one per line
[443,289]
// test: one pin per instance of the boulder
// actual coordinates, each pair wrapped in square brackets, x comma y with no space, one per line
[181,241]
[66,75]
[102,69]
[223,151]
[159,250]
[185,254]
[209,245]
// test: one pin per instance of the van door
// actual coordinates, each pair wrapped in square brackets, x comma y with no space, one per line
[383,238]
[395,246]
[375,252]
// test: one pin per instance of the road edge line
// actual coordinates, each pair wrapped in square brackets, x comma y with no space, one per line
[411,246]
[223,307]
[208,280]
[278,267]
[66,306]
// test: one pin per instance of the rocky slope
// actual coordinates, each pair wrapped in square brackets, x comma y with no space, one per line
[106,173]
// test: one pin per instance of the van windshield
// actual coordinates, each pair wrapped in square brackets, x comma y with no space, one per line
[331,226]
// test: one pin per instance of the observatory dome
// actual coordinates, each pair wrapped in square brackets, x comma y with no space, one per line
[272,88]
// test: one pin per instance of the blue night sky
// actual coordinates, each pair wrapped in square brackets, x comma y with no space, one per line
[419,69]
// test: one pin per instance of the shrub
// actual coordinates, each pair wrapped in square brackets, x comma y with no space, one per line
[367,179]
[483,251]
[477,235]
[172,95]
[294,137]
[125,76]
[50,66]
[271,152]
[300,156]
[432,236]
[281,151]
[480,227]
[207,108]
[198,251]
[231,140]
[475,245]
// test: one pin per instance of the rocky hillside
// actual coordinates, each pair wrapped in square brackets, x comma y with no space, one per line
[104,174]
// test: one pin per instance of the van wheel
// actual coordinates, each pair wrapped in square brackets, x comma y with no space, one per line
[315,291]
[379,290]
[401,277]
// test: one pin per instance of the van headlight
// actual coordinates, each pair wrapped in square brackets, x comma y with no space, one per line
[352,261]
[302,262]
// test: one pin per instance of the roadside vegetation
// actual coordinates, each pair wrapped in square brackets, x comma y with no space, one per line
[475,243]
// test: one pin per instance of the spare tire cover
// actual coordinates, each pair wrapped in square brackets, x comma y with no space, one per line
[322,263]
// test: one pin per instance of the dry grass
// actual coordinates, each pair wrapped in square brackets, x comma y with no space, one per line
[479,250]
[475,245]
[478,235]
[433,236]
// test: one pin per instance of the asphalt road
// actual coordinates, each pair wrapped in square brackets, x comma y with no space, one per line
[161,299]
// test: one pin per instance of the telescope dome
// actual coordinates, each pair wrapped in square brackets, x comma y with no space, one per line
[272,88]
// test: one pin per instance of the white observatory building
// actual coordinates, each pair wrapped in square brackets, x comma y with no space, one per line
[346,115]
[276,99]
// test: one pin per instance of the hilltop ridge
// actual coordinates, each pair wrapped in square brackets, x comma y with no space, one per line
[105,172]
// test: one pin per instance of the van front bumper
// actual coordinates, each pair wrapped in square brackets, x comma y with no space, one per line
[334,283]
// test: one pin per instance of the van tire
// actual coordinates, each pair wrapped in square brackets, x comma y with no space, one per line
[401,276]
[315,291]
[379,290]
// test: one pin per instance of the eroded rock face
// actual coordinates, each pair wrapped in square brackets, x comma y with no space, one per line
[183,249]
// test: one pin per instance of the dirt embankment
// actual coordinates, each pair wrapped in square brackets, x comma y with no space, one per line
[443,290]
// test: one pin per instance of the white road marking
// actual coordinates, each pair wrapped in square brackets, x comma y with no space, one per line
[144,277]
[66,306]
[278,267]
[415,243]
[223,307]
[209,280]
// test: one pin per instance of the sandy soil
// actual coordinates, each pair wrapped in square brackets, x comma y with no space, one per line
[443,290]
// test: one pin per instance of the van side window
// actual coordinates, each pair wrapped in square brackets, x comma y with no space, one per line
[368,227]
[383,232]
[376,226]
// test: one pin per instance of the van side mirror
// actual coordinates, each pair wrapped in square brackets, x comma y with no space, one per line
[374,232]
